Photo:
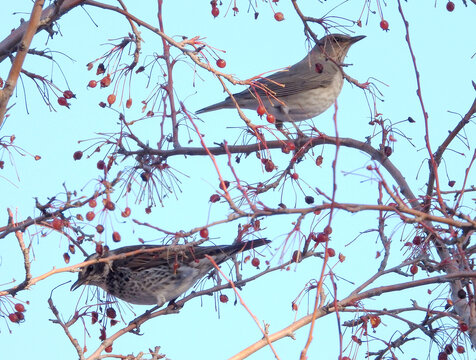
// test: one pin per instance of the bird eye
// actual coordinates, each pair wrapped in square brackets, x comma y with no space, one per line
[90,268]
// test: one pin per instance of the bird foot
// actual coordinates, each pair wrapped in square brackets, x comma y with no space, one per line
[172,304]
[137,320]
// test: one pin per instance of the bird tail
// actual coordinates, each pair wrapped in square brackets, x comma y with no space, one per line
[217,106]
[250,244]
[229,250]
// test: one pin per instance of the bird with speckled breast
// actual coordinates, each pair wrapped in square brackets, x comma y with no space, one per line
[157,274]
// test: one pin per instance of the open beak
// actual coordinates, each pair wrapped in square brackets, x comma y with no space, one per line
[77,284]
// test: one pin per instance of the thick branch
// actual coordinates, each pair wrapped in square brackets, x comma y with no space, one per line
[10,84]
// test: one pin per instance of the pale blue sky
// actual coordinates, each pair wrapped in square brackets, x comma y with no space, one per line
[443,43]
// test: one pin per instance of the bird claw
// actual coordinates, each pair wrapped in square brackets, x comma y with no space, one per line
[136,329]
[174,305]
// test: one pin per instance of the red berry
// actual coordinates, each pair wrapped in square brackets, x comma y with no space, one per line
[14,317]
[126,212]
[90,215]
[297,257]
[66,258]
[77,155]
[460,349]
[111,99]
[116,237]
[269,165]
[309,199]
[416,240]
[92,203]
[214,198]
[215,11]
[450,6]
[68,94]
[414,269]
[57,224]
[19,307]
[261,110]
[221,63]
[271,118]
[384,25]
[100,249]
[375,321]
[129,103]
[92,83]
[356,340]
[223,298]
[279,16]
[463,327]
[145,176]
[105,81]
[319,160]
[442,356]
[108,349]
[327,230]
[295,176]
[99,229]
[322,238]
[387,150]
[331,252]
[255,262]
[94,317]
[111,313]
[100,69]
[224,185]
[101,165]
[62,101]
[204,233]
[451,183]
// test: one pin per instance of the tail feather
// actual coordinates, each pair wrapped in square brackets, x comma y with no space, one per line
[229,250]
[251,244]
[221,105]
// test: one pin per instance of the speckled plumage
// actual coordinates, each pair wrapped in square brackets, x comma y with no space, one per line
[156,277]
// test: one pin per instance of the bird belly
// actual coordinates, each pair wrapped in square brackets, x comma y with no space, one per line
[151,286]
[307,105]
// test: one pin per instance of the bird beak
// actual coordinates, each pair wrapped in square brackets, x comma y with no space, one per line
[354,39]
[77,284]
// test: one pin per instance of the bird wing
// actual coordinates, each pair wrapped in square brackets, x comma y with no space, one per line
[166,257]
[300,77]
[141,260]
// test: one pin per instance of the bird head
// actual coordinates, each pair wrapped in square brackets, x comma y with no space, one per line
[335,46]
[93,274]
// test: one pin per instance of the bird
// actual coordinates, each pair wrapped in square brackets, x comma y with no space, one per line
[304,90]
[156,277]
